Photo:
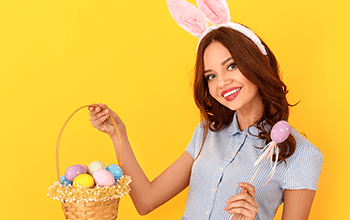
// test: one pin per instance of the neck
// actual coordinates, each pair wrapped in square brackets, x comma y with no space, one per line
[249,117]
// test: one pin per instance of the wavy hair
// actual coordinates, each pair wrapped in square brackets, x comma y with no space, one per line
[261,70]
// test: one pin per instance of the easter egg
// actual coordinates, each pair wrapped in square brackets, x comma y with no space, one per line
[65,181]
[85,167]
[95,165]
[74,171]
[115,170]
[84,180]
[280,131]
[103,178]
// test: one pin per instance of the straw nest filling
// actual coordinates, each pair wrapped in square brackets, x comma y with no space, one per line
[65,193]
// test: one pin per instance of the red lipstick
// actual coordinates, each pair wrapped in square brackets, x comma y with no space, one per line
[231,93]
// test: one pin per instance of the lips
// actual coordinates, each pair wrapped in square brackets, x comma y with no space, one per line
[231,93]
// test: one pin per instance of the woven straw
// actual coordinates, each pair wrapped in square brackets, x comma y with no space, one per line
[92,210]
[104,210]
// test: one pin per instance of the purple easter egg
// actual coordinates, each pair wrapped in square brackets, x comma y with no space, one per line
[280,131]
[74,171]
[85,167]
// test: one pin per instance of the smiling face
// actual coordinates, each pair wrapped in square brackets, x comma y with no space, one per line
[227,84]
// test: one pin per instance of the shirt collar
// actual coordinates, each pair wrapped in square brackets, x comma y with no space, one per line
[233,128]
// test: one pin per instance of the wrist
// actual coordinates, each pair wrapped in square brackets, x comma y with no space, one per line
[121,129]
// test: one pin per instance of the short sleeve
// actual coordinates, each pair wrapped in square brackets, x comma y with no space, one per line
[305,169]
[195,144]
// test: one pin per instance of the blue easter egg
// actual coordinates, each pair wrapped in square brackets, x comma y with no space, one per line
[65,181]
[115,170]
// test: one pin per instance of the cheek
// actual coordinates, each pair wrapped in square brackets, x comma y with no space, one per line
[212,90]
[249,85]
[253,88]
[253,91]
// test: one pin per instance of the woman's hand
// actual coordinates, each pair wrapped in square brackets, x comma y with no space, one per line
[99,117]
[243,206]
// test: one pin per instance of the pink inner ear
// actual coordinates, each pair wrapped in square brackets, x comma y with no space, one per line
[216,11]
[187,16]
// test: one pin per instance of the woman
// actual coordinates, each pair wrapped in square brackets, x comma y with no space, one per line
[241,96]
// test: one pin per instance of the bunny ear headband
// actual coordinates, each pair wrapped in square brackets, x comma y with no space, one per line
[194,20]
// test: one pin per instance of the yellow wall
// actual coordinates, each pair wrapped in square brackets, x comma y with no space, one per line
[56,56]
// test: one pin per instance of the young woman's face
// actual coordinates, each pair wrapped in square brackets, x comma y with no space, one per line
[226,82]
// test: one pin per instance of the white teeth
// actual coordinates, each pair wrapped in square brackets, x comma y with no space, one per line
[231,92]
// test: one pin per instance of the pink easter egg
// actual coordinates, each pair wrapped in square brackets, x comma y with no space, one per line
[103,178]
[74,171]
[280,131]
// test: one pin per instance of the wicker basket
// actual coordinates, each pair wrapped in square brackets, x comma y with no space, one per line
[106,209]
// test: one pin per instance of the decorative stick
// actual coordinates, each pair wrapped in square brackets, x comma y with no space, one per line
[279,133]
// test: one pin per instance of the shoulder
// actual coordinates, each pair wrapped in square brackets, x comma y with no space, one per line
[304,166]
[194,145]
[200,130]
[304,146]
[211,137]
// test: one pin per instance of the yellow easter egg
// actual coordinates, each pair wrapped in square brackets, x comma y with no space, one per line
[83,180]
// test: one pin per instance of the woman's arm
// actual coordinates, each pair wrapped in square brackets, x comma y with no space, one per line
[145,195]
[297,203]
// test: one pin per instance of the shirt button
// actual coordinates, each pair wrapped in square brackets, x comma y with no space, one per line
[213,190]
[243,135]
[221,169]
[207,212]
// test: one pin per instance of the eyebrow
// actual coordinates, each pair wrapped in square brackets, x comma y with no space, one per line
[222,64]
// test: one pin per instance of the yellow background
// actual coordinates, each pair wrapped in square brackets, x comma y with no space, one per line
[56,56]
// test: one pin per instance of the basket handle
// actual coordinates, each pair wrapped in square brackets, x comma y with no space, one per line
[64,125]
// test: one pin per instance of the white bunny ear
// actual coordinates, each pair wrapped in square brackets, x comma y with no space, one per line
[215,11]
[188,17]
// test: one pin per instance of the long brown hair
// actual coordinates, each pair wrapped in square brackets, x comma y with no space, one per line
[261,70]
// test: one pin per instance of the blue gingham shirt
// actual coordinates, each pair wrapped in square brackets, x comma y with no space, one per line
[227,158]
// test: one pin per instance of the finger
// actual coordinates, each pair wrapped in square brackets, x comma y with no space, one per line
[100,121]
[242,199]
[92,111]
[94,105]
[115,117]
[242,204]
[102,106]
[243,207]
[98,108]
[248,214]
[100,115]
[247,187]
[103,118]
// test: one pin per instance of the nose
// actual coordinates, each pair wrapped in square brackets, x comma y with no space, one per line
[223,80]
